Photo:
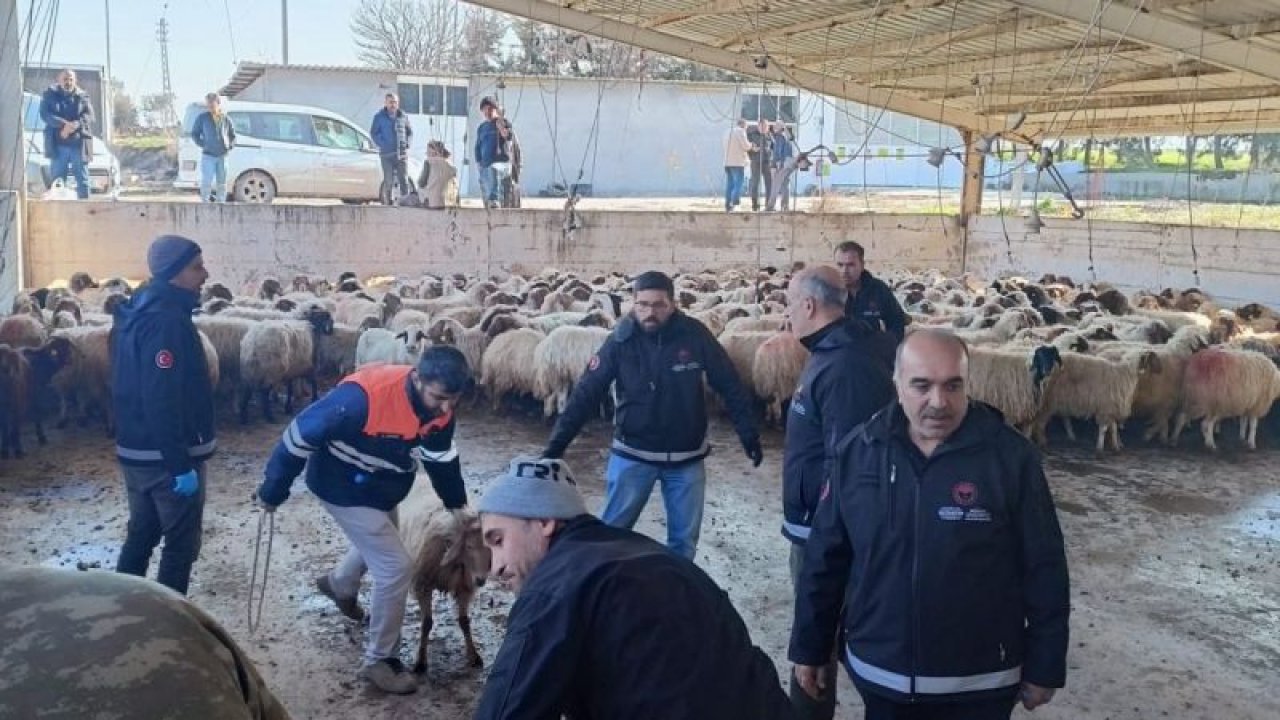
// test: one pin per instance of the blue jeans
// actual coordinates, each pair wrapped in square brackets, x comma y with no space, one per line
[395,180]
[488,177]
[70,157]
[629,484]
[213,178]
[734,177]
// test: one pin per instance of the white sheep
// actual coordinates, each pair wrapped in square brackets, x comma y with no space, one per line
[1013,380]
[1222,383]
[1098,389]
[560,360]
[1159,393]
[776,371]
[471,342]
[764,323]
[741,348]
[379,345]
[278,352]
[509,364]
[407,317]
[226,334]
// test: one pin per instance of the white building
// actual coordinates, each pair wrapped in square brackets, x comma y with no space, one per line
[623,138]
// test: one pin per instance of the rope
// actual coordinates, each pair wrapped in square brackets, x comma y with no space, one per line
[255,618]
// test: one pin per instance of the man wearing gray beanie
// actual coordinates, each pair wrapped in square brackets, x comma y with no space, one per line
[608,623]
[163,401]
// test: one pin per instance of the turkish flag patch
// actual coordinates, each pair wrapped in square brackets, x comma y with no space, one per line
[164,359]
[595,363]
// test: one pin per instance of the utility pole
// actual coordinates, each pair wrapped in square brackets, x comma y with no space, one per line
[13,156]
[162,34]
[108,112]
[284,29]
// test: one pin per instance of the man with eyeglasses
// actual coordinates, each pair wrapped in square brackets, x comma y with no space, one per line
[656,360]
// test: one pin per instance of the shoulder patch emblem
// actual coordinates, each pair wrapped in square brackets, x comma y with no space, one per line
[164,359]
[595,363]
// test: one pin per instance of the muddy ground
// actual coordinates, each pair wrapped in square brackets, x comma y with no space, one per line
[1174,562]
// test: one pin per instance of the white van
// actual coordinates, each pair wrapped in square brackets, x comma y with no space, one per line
[289,150]
[104,169]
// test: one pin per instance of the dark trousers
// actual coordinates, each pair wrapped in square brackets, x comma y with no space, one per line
[804,707]
[395,179]
[156,512]
[760,170]
[879,708]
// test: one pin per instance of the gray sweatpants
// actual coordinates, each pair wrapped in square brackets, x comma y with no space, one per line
[156,512]
[376,548]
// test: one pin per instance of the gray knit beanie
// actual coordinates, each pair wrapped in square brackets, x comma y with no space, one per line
[534,488]
[169,254]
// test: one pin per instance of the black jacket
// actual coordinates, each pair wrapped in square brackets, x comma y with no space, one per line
[160,381]
[841,387]
[950,569]
[661,415]
[613,626]
[876,305]
[57,104]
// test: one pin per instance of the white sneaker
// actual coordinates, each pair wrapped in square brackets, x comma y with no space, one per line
[390,676]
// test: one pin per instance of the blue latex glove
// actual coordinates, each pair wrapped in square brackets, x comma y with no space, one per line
[187,483]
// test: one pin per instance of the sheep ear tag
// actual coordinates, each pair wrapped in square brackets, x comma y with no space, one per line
[164,359]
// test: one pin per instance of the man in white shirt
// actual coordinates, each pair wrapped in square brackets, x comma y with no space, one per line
[736,159]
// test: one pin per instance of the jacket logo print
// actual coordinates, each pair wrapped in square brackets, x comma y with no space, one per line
[964,493]
[594,364]
[164,359]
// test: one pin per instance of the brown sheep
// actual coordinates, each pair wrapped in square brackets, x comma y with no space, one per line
[15,374]
[19,331]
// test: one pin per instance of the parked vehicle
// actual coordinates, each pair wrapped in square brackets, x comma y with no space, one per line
[289,151]
[104,169]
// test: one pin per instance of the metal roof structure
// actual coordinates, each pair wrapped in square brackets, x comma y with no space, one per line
[1071,67]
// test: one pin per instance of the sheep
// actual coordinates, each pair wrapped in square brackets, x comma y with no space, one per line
[15,374]
[449,556]
[19,331]
[775,372]
[546,323]
[560,360]
[1159,393]
[378,345]
[278,352]
[216,291]
[80,282]
[86,378]
[503,323]
[766,323]
[471,342]
[353,309]
[255,314]
[407,317]
[336,352]
[43,363]
[269,289]
[741,348]
[509,364]
[468,315]
[1221,383]
[1096,388]
[1013,380]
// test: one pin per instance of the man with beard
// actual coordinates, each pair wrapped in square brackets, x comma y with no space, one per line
[608,623]
[656,360]
[937,540]
[362,445]
[67,117]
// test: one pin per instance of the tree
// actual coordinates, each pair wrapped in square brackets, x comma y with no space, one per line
[408,34]
[124,112]
[481,50]
[157,109]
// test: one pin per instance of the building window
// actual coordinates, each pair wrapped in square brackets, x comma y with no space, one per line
[457,101]
[432,100]
[410,97]
[773,108]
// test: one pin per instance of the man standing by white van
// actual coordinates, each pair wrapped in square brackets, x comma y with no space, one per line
[214,135]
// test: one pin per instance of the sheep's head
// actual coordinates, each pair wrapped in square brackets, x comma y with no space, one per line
[467,555]
[1149,362]
[596,318]
[41,296]
[52,356]
[217,290]
[348,275]
[320,319]
[1101,333]
[391,304]
[349,286]
[1045,361]
[444,332]
[502,323]
[286,305]
[302,283]
[80,282]
[415,339]
[369,322]
[270,289]
[211,307]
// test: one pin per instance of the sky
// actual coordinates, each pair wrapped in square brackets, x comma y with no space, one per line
[206,38]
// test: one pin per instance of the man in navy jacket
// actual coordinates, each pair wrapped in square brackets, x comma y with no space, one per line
[842,386]
[392,133]
[163,401]
[937,539]
[68,117]
[870,299]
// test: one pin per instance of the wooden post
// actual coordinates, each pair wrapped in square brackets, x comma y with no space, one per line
[13,156]
[971,188]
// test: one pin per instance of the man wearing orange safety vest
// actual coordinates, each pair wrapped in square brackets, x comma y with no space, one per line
[362,444]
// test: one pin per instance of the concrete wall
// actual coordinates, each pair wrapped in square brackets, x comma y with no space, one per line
[245,242]
[1235,266]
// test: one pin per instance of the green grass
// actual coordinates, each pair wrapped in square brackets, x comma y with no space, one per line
[144,142]
[1166,160]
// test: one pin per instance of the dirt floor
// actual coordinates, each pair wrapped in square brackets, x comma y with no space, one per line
[1174,563]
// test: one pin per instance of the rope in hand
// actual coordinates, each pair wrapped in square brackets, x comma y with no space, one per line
[255,619]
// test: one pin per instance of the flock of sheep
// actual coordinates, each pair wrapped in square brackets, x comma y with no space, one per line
[1039,350]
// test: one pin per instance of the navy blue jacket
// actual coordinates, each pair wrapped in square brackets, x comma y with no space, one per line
[490,147]
[160,381]
[613,626]
[385,135]
[876,305]
[57,104]
[843,384]
[657,378]
[347,468]
[950,570]
[213,140]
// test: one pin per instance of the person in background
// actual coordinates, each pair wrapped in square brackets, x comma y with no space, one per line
[361,446]
[438,179]
[68,133]
[607,623]
[492,139]
[936,551]
[214,135]
[657,360]
[102,645]
[780,183]
[870,299]
[163,399]
[761,156]
[737,150]
[842,385]
[392,133]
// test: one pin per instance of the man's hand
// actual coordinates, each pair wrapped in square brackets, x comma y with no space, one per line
[811,680]
[266,506]
[553,453]
[1033,696]
[754,451]
[186,484]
